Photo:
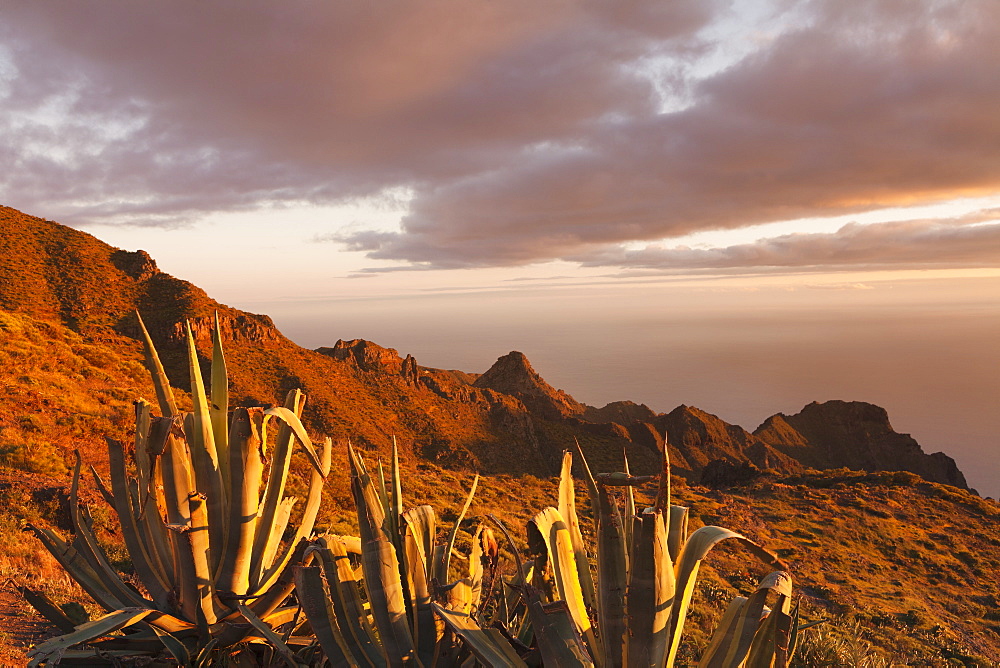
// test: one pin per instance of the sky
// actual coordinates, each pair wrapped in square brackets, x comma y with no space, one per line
[743,206]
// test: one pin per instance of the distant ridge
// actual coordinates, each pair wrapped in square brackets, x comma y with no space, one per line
[854,435]
[508,419]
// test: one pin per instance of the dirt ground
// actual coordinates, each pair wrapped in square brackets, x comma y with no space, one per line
[20,627]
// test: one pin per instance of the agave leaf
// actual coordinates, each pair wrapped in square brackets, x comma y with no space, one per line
[219,399]
[201,439]
[87,546]
[47,609]
[419,534]
[750,619]
[612,564]
[381,578]
[793,633]
[558,641]
[273,639]
[490,647]
[143,464]
[204,657]
[322,618]
[77,566]
[281,458]
[269,599]
[102,487]
[50,651]
[380,488]
[146,568]
[164,395]
[292,420]
[677,530]
[394,507]
[148,509]
[177,649]
[694,550]
[663,501]
[767,650]
[347,604]
[309,514]
[724,636]
[201,557]
[246,469]
[443,562]
[549,527]
[567,508]
[650,591]
[281,519]
[629,502]
[175,469]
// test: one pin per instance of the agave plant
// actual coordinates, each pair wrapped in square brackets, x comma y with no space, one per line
[405,581]
[553,611]
[633,613]
[205,542]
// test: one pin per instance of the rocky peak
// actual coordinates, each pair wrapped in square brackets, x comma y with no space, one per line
[512,374]
[856,435]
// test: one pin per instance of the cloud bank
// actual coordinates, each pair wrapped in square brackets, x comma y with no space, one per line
[910,244]
[525,131]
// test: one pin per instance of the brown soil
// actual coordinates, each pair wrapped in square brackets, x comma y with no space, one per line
[20,627]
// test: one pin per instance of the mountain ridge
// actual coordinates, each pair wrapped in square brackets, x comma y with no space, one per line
[506,420]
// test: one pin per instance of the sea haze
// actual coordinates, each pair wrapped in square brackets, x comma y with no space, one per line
[926,350]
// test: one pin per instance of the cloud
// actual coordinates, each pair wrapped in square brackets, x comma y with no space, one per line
[910,244]
[525,131]
[231,104]
[853,112]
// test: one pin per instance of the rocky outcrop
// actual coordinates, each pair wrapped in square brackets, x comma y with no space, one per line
[854,435]
[366,355]
[622,412]
[247,327]
[137,264]
[373,358]
[700,437]
[723,474]
[512,374]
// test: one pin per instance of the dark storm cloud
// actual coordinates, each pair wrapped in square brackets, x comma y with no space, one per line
[523,129]
[909,244]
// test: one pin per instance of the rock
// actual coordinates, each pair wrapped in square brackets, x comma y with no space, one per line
[854,435]
[512,374]
[138,264]
[622,412]
[701,437]
[722,474]
[370,356]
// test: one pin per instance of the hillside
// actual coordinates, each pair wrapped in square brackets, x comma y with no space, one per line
[71,365]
